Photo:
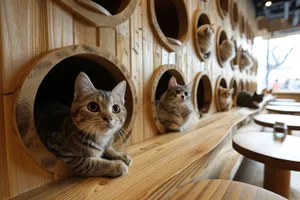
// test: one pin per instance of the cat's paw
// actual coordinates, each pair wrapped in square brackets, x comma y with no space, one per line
[125,158]
[118,168]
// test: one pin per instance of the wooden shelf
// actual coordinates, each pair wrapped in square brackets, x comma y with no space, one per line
[162,163]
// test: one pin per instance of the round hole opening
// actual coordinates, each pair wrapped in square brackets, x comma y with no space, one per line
[201,19]
[234,14]
[223,7]
[169,19]
[235,60]
[233,84]
[114,7]
[101,13]
[220,82]
[49,89]
[159,85]
[202,93]
[242,25]
[220,37]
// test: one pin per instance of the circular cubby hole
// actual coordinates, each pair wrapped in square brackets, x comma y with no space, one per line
[201,18]
[220,37]
[220,82]
[234,16]
[159,84]
[202,93]
[223,7]
[49,87]
[233,84]
[169,20]
[102,13]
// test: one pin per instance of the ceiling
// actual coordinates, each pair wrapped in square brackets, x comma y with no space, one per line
[282,17]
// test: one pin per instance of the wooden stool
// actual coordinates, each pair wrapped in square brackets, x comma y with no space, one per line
[292,110]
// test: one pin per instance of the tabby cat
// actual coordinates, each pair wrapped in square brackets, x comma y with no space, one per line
[175,109]
[205,35]
[225,98]
[84,138]
[245,61]
[227,50]
[246,99]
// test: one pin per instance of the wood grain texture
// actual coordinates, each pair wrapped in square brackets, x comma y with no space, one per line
[194,154]
[222,189]
[30,28]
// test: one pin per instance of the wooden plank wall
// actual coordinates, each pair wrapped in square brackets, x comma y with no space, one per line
[30,28]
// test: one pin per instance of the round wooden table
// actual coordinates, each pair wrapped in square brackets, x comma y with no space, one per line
[284,109]
[285,100]
[222,189]
[268,120]
[282,103]
[279,157]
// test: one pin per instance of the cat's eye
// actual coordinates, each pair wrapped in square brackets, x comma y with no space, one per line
[177,91]
[186,93]
[93,107]
[116,109]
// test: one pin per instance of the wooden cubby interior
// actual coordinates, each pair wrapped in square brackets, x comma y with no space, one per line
[202,93]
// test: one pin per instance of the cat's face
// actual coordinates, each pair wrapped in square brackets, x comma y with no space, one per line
[97,111]
[178,94]
[257,97]
[225,93]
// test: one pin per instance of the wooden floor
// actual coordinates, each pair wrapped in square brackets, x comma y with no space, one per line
[252,172]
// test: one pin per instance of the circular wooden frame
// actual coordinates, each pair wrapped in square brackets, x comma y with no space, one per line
[234,16]
[202,18]
[154,84]
[241,85]
[220,36]
[183,25]
[223,7]
[32,79]
[247,86]
[90,11]
[233,84]
[202,102]
[220,82]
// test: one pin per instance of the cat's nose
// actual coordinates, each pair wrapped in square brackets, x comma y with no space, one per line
[107,118]
[182,96]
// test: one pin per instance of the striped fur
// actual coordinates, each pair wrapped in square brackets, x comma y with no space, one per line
[205,39]
[245,61]
[84,139]
[246,99]
[175,109]
[225,98]
[227,51]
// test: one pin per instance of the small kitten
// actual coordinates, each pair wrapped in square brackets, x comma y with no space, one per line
[205,35]
[225,98]
[175,108]
[84,139]
[245,61]
[267,91]
[246,99]
[227,50]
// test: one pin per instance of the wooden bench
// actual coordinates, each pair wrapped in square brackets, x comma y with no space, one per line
[163,163]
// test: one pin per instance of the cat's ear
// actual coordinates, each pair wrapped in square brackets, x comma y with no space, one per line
[120,90]
[172,83]
[83,86]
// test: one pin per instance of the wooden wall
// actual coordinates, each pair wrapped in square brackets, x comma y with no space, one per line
[30,28]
